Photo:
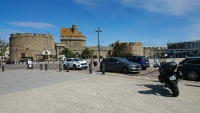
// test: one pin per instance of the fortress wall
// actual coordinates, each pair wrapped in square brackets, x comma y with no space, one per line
[30,44]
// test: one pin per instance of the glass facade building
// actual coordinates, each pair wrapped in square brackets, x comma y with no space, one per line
[180,49]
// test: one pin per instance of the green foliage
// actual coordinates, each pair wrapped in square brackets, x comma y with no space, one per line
[3,46]
[95,56]
[87,53]
[101,56]
[76,54]
[119,51]
[66,52]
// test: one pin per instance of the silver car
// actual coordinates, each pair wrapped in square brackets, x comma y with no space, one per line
[118,64]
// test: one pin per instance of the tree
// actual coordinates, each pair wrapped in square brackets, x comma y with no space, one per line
[121,50]
[3,46]
[95,56]
[87,53]
[66,52]
[118,51]
[76,54]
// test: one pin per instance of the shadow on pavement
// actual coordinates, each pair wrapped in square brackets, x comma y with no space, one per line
[156,90]
[192,85]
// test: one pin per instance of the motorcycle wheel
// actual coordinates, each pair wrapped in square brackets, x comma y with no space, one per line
[175,90]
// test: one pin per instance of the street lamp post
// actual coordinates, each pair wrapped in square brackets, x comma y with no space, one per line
[99,48]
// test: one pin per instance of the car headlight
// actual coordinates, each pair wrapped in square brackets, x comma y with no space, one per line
[78,62]
[132,65]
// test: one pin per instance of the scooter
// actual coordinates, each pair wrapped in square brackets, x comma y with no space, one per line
[168,76]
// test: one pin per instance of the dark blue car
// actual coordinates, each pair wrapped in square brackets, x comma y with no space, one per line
[139,59]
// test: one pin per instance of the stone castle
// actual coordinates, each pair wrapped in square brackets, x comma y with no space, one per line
[43,47]
[31,45]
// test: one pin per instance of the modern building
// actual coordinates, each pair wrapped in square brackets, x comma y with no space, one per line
[184,49]
[180,49]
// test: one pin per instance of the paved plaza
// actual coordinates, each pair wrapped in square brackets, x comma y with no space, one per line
[52,91]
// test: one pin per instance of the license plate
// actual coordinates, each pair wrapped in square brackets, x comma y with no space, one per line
[147,62]
[172,77]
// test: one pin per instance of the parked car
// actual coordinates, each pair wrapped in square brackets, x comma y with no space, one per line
[75,63]
[189,68]
[10,62]
[118,64]
[139,59]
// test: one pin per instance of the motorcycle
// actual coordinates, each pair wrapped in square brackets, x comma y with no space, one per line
[168,76]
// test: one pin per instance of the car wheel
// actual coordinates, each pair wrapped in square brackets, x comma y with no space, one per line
[192,75]
[74,67]
[64,66]
[125,70]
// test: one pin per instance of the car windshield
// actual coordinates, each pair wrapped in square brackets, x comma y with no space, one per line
[77,59]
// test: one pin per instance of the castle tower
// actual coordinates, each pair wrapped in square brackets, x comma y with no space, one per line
[30,45]
[72,38]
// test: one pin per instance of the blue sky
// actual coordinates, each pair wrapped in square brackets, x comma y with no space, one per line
[152,22]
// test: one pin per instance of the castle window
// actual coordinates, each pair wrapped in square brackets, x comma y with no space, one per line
[22,54]
[27,48]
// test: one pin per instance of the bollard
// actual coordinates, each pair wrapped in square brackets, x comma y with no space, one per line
[32,66]
[46,67]
[0,63]
[103,69]
[90,68]
[40,66]
[2,67]
[60,67]
[67,67]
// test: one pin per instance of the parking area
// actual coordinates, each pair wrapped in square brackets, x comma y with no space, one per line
[54,66]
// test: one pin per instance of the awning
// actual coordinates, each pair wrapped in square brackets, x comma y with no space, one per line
[46,52]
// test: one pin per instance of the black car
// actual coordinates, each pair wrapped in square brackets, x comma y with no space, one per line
[118,64]
[189,68]
[139,59]
[10,62]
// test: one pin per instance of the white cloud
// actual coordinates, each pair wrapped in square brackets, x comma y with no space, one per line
[193,32]
[86,2]
[171,7]
[38,25]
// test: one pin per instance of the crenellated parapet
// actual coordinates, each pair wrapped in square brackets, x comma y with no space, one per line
[135,43]
[31,35]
